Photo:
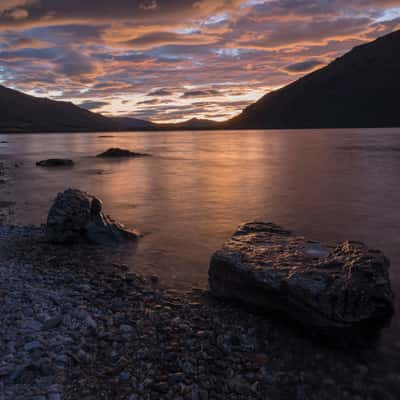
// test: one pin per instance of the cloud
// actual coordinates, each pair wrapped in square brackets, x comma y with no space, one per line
[28,43]
[163,38]
[76,65]
[149,5]
[7,6]
[19,13]
[161,92]
[93,105]
[177,58]
[304,66]
[154,101]
[201,93]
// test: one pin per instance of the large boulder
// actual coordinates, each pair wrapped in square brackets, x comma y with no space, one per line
[77,216]
[120,153]
[342,290]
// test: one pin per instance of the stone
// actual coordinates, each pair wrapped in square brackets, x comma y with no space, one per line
[30,346]
[77,216]
[53,322]
[55,162]
[91,323]
[120,153]
[334,291]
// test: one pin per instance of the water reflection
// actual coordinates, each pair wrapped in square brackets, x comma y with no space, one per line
[197,187]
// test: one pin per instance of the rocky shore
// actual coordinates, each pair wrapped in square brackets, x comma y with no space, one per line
[77,323]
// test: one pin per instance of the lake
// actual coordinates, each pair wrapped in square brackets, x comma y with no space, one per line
[329,185]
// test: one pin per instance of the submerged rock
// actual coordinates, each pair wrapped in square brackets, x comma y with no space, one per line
[120,153]
[77,216]
[55,162]
[346,290]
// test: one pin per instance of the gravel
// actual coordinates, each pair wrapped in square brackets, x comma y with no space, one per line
[78,323]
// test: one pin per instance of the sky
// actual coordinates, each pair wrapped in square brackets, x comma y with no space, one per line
[172,60]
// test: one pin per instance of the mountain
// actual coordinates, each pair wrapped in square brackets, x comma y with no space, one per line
[129,124]
[359,89]
[24,113]
[191,124]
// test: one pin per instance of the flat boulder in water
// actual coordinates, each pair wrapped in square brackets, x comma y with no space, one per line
[77,216]
[343,291]
[120,153]
[55,162]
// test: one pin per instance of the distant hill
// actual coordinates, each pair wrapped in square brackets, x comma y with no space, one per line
[191,124]
[128,123]
[359,89]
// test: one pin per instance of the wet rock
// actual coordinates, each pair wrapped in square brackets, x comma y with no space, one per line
[76,216]
[345,290]
[55,162]
[120,153]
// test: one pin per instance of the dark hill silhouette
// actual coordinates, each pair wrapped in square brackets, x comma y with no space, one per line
[23,113]
[359,89]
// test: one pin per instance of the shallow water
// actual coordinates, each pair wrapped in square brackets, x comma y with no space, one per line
[329,185]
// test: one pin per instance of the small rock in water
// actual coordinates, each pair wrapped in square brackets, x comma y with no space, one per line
[120,153]
[55,162]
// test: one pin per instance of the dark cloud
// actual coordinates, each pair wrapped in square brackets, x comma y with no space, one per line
[161,92]
[93,105]
[157,39]
[304,66]
[75,64]
[154,102]
[28,54]
[201,93]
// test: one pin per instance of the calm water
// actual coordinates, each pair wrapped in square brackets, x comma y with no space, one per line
[198,186]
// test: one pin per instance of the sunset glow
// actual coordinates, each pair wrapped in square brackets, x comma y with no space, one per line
[174,60]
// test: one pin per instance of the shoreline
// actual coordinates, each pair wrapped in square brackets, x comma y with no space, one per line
[76,324]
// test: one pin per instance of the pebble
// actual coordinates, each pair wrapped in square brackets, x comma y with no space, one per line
[113,340]
[53,322]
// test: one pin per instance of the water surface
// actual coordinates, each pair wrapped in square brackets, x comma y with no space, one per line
[329,185]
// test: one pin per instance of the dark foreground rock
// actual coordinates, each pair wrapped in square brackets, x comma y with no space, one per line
[77,324]
[339,292]
[77,216]
[120,153]
[55,162]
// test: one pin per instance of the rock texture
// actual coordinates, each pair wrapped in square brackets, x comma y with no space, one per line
[343,290]
[55,162]
[77,216]
[120,153]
